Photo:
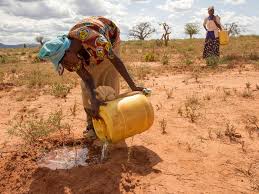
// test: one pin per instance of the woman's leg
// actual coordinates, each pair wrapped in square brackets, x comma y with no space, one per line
[103,74]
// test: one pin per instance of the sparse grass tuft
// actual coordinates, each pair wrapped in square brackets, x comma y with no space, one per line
[140,72]
[73,109]
[231,133]
[191,108]
[163,125]
[247,94]
[35,79]
[60,90]
[212,61]
[248,85]
[149,57]
[253,56]
[188,62]
[165,59]
[169,93]
[252,125]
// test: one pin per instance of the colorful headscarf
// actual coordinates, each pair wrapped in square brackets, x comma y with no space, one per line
[54,50]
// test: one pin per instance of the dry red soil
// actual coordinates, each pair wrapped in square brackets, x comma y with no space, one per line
[190,157]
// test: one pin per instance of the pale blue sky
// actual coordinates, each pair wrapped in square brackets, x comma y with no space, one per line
[22,20]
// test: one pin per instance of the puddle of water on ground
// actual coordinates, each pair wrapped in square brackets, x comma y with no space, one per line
[64,158]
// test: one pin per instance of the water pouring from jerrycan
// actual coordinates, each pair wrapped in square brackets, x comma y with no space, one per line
[127,115]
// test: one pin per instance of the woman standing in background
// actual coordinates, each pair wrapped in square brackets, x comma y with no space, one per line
[212,26]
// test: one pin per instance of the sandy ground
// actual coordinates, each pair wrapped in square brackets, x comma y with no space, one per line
[190,158]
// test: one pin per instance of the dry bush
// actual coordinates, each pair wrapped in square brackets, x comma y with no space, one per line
[165,59]
[36,79]
[253,56]
[226,94]
[73,109]
[196,74]
[231,133]
[252,124]
[226,91]
[212,61]
[188,62]
[248,85]
[169,93]
[191,108]
[139,72]
[247,94]
[257,86]
[230,58]
[163,125]
[219,134]
[149,57]
[60,90]
[31,128]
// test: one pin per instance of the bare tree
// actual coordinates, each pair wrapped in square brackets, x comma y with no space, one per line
[191,29]
[233,29]
[141,31]
[40,39]
[166,33]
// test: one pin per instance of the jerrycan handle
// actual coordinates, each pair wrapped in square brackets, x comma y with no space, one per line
[147,91]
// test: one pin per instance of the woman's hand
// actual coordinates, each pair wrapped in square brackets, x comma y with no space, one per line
[95,107]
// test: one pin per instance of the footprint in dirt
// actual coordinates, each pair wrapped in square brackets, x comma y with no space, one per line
[113,176]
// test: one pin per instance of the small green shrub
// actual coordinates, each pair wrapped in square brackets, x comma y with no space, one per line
[212,61]
[165,60]
[253,56]
[150,57]
[31,129]
[35,79]
[188,62]
[192,107]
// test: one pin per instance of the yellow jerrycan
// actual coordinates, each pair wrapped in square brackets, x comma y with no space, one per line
[124,117]
[223,37]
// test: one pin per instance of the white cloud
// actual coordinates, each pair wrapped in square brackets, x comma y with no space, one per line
[41,9]
[22,20]
[177,5]
[235,2]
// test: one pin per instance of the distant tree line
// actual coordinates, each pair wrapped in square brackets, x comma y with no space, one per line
[144,30]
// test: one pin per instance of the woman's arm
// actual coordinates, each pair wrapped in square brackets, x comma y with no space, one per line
[217,22]
[120,67]
[89,84]
[205,23]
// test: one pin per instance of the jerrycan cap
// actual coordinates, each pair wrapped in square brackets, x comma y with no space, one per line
[147,91]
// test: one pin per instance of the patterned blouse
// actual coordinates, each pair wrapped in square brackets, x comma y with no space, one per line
[98,35]
[211,26]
